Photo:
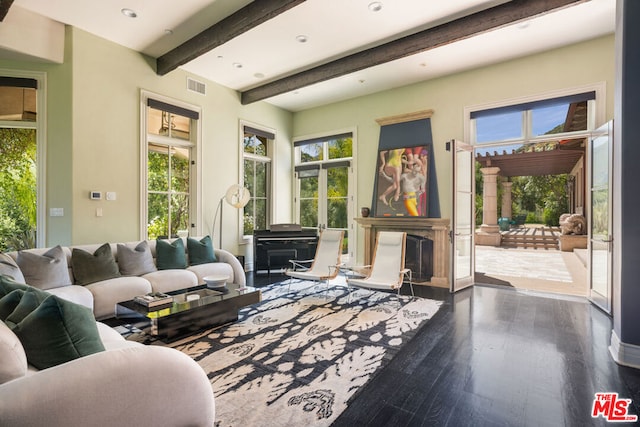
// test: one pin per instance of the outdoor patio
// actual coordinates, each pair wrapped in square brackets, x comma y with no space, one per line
[535,269]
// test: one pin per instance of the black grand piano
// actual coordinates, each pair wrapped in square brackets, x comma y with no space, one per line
[273,248]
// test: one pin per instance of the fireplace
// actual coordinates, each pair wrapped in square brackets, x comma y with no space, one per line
[418,257]
[430,247]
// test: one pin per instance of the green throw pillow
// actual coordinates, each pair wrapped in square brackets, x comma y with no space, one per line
[200,251]
[9,302]
[7,284]
[31,299]
[58,331]
[90,268]
[170,255]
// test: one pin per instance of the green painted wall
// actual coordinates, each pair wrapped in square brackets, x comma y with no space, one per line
[58,180]
[585,63]
[93,140]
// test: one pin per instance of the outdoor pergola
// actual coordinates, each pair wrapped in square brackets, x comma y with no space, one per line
[561,158]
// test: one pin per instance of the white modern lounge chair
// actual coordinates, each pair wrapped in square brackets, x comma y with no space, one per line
[324,266]
[387,270]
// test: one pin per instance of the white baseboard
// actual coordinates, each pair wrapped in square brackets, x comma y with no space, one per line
[624,354]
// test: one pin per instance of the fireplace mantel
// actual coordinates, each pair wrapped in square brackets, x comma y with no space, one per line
[435,229]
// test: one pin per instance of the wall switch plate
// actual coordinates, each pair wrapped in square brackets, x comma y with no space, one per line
[56,212]
[111,195]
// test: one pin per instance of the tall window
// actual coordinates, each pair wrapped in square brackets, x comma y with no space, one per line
[324,175]
[256,159]
[171,141]
[18,168]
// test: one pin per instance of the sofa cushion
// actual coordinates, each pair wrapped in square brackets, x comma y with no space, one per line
[8,267]
[200,251]
[58,331]
[170,255]
[107,293]
[171,280]
[91,268]
[14,360]
[49,270]
[135,261]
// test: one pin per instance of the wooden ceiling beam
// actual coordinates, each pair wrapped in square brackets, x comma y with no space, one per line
[253,14]
[4,8]
[459,29]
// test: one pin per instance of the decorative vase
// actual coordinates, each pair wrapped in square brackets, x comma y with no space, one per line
[364,212]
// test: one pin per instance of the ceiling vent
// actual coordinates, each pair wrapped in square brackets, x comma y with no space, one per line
[196,86]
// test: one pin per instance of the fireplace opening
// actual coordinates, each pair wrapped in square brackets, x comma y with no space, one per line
[419,257]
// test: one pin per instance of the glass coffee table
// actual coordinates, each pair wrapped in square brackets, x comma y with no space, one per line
[192,310]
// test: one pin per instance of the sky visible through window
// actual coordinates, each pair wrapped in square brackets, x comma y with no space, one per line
[508,126]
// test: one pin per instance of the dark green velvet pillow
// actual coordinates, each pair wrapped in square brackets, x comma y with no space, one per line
[170,255]
[200,251]
[9,302]
[90,268]
[58,331]
[7,284]
[30,300]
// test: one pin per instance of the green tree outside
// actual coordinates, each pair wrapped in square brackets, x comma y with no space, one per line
[18,189]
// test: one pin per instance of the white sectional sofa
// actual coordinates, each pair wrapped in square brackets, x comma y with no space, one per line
[102,296]
[125,384]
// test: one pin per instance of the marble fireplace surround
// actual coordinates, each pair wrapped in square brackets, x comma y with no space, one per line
[434,229]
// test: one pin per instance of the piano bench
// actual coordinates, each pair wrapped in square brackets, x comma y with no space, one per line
[290,253]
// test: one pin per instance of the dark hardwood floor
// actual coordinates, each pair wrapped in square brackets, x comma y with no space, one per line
[495,356]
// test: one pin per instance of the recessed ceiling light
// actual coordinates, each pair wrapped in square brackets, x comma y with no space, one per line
[302,38]
[237,65]
[129,13]
[258,76]
[523,25]
[376,6]
[168,32]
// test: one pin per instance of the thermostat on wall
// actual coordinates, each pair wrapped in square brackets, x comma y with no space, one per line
[95,195]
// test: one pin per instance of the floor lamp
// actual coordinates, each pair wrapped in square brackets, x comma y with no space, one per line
[238,197]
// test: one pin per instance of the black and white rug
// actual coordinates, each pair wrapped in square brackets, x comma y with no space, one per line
[298,357]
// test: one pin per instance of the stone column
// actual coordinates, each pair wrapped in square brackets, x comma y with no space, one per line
[506,199]
[489,234]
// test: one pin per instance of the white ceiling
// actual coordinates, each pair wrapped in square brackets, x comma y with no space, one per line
[334,28]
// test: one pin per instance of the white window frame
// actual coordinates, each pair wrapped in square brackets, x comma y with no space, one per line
[269,158]
[351,210]
[594,120]
[195,179]
[40,125]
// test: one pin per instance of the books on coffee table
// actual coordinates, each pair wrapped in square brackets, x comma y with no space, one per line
[154,300]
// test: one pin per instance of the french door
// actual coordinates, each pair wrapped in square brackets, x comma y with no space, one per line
[323,199]
[462,226]
[600,247]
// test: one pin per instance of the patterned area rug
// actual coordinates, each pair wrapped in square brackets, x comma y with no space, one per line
[298,357]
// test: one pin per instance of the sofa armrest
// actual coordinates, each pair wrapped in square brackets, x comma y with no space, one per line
[229,258]
[142,385]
